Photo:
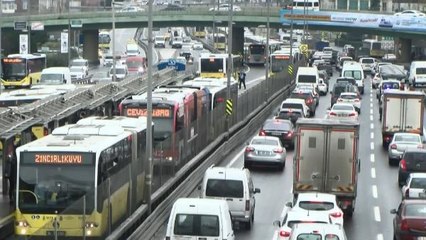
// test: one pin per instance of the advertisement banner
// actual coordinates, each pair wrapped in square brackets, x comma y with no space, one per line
[23,43]
[408,23]
[64,42]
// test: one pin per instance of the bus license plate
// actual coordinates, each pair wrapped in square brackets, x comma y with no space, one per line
[58,233]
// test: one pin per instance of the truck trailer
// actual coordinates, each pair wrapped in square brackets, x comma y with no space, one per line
[326,159]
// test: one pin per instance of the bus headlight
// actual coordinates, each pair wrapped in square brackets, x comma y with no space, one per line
[169,158]
[91,225]
[22,223]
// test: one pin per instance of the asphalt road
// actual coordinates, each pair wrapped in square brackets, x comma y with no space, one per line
[378,191]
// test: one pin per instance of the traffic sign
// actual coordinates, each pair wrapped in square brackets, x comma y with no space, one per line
[229,107]
[290,69]
[76,23]
[20,25]
[37,26]
[303,48]
[172,63]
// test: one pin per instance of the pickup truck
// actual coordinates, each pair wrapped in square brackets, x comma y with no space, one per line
[326,159]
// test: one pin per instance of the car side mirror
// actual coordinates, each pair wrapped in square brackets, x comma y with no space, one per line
[393,211]
[257,190]
[289,204]
[277,223]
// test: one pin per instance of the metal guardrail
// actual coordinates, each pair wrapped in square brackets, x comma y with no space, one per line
[86,80]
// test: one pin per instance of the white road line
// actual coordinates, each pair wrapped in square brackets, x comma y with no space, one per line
[374,189]
[236,158]
[372,135]
[372,146]
[371,100]
[377,214]
[371,105]
[371,111]
[373,173]
[380,236]
[372,125]
[371,117]
[372,157]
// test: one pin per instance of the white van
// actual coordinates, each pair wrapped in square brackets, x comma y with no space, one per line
[195,218]
[307,75]
[354,69]
[236,187]
[58,78]
[296,103]
[417,73]
[132,49]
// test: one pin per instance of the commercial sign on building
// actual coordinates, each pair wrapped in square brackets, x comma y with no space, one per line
[23,43]
[64,42]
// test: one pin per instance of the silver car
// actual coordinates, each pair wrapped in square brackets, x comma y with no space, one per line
[265,150]
[415,186]
[400,143]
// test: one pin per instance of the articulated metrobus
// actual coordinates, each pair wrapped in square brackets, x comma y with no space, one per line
[200,32]
[22,70]
[215,65]
[256,54]
[104,40]
[82,179]
[374,47]
[220,41]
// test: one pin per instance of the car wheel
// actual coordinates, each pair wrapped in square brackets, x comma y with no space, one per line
[349,211]
[249,224]
[246,165]
[281,166]
[390,162]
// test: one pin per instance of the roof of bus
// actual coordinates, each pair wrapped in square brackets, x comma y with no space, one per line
[216,55]
[27,56]
[84,137]
[159,94]
[213,84]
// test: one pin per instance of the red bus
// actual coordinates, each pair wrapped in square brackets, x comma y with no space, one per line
[136,64]
[175,110]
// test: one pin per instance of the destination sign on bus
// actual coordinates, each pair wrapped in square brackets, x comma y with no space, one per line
[57,158]
[13,60]
[286,57]
[156,112]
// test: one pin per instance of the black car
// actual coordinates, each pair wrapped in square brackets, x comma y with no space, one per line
[413,160]
[290,114]
[340,87]
[308,96]
[173,7]
[283,129]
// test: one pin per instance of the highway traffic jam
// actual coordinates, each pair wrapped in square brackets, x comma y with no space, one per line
[341,157]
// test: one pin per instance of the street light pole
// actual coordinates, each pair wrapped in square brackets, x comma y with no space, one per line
[113,41]
[230,67]
[1,52]
[267,49]
[148,177]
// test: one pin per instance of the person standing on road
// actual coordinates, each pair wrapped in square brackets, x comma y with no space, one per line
[242,79]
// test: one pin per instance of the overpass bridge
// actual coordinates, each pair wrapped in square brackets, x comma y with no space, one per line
[251,16]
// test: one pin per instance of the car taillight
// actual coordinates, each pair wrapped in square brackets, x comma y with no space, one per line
[289,134]
[262,133]
[249,149]
[404,225]
[284,233]
[333,114]
[45,131]
[278,150]
[393,146]
[247,205]
[352,114]
[336,214]
[309,101]
[403,165]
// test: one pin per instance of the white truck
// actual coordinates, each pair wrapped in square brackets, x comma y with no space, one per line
[326,159]
[401,111]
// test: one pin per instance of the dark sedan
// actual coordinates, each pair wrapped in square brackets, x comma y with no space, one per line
[173,7]
[413,160]
[283,129]
[410,220]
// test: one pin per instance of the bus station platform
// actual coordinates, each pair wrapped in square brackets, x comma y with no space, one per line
[6,213]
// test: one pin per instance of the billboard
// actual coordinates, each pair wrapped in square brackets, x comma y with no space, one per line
[23,43]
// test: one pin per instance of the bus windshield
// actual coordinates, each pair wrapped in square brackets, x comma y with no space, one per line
[257,49]
[56,182]
[212,65]
[14,70]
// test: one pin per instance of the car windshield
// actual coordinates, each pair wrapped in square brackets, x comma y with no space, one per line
[420,71]
[348,96]
[316,205]
[224,188]
[343,107]
[78,63]
[355,74]
[415,210]
[264,142]
[407,138]
[197,225]
[277,125]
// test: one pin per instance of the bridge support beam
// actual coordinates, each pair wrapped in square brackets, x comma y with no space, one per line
[403,49]
[238,40]
[90,46]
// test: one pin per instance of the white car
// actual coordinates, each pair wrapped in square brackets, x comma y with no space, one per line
[318,202]
[390,57]
[197,46]
[225,7]
[77,73]
[322,87]
[343,111]
[121,72]
[294,217]
[307,231]
[131,9]
[367,63]
[410,13]
[352,98]
[82,63]
[415,186]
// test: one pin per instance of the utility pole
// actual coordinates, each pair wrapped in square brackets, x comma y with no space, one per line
[113,41]
[148,177]
[229,65]
[267,49]
[1,52]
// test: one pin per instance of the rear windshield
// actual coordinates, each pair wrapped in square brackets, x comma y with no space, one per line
[277,125]
[292,105]
[348,96]
[415,160]
[264,142]
[302,95]
[368,60]
[357,75]
[342,107]
[316,205]
[420,70]
[307,79]
[196,225]
[224,188]
[290,224]
[407,138]
[418,183]
[415,210]
[287,114]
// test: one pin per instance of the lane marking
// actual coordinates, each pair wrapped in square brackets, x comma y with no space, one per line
[380,236]
[372,125]
[377,214]
[371,117]
[372,146]
[371,100]
[372,157]
[371,111]
[373,173]
[372,135]
[235,158]
[374,189]
[371,105]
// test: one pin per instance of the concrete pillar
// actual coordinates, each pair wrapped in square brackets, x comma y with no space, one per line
[238,40]
[90,46]
[403,49]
